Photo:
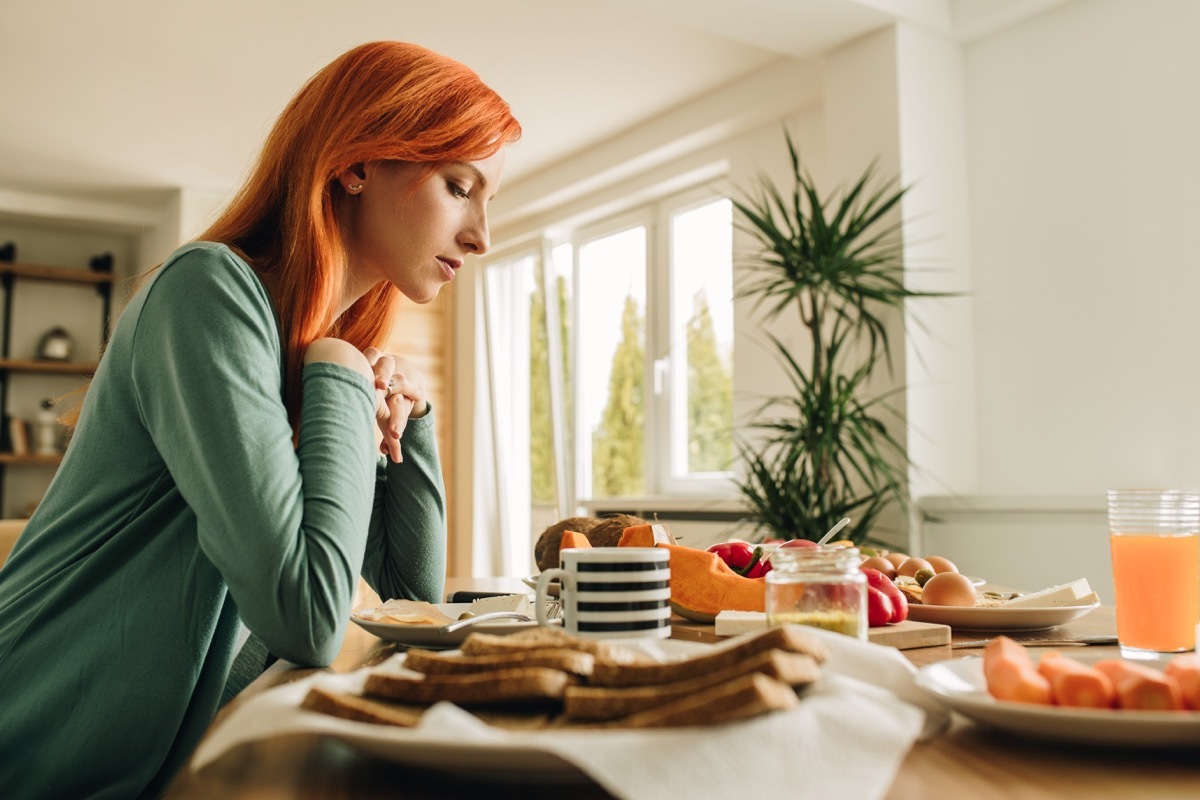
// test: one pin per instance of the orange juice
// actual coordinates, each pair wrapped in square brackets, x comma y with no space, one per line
[1157,582]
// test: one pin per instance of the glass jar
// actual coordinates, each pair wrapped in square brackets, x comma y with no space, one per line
[818,586]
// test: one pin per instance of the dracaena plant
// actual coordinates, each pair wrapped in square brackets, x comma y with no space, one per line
[837,261]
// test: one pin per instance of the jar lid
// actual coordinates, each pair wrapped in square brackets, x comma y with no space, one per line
[818,558]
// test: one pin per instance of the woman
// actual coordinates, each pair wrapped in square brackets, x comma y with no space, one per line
[223,474]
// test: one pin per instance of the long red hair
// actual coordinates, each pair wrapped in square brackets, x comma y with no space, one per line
[381,100]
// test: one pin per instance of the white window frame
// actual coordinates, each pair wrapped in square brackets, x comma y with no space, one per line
[672,434]
[664,479]
[642,217]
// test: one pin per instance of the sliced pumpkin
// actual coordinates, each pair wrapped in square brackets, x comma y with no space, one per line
[647,535]
[702,585]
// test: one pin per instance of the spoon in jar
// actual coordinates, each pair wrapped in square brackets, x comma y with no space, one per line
[844,522]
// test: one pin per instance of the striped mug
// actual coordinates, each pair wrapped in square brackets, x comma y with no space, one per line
[611,592]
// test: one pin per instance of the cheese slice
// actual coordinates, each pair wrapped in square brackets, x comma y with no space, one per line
[1075,593]
[732,623]
[405,612]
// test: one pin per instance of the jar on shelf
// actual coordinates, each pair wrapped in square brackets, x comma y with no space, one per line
[818,586]
[46,430]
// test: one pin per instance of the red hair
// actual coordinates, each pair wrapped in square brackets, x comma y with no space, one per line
[381,100]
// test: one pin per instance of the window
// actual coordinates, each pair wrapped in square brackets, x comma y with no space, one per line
[614,344]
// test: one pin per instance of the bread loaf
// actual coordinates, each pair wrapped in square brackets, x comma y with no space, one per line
[600,531]
[545,550]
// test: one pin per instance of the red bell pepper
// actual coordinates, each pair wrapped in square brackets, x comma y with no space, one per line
[742,558]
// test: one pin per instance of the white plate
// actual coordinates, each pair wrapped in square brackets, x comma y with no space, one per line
[999,619]
[519,758]
[427,635]
[551,588]
[959,684]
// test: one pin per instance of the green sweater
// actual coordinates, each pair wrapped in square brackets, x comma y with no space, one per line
[182,509]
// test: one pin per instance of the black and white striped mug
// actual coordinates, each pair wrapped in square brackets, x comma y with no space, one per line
[611,592]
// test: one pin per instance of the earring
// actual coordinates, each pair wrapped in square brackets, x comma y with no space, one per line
[355,189]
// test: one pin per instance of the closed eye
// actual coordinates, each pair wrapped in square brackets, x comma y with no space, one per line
[457,190]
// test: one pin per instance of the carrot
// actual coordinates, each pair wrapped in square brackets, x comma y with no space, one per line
[1186,670]
[1011,675]
[1075,683]
[1141,688]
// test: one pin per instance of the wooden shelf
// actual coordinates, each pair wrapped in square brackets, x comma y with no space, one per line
[46,367]
[31,459]
[59,274]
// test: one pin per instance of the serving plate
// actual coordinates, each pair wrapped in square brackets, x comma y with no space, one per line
[551,587]
[959,683]
[999,619]
[428,636]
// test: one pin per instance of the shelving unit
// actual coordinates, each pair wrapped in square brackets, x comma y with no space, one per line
[11,275]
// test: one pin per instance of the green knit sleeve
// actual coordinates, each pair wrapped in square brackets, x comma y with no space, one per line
[286,526]
[406,549]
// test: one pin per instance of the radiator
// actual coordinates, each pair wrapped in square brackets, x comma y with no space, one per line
[1027,543]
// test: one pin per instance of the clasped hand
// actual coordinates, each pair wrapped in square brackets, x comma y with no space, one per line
[400,395]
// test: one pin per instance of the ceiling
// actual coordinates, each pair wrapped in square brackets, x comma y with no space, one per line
[127,99]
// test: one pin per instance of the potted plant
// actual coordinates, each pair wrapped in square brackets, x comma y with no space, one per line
[837,260]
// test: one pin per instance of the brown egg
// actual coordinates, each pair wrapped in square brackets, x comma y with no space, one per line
[948,589]
[880,563]
[940,564]
[896,558]
[910,566]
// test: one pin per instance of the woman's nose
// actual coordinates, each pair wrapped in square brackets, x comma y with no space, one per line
[476,238]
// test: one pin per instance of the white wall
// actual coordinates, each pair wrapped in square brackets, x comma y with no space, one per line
[1084,167]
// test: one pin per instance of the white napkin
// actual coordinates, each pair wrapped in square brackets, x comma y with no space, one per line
[846,738]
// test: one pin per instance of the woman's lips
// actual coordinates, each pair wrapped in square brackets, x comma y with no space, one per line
[449,267]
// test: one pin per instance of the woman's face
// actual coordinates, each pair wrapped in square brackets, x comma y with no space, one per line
[416,233]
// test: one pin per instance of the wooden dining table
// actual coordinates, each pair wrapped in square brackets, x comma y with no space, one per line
[966,761]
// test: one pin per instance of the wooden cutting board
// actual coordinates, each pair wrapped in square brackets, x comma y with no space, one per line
[910,634]
[906,635]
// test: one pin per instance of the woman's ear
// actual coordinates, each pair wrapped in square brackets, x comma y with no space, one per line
[353,178]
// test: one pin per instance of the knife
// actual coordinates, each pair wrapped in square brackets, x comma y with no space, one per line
[1081,641]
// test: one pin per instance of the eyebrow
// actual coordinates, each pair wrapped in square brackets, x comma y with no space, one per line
[482,181]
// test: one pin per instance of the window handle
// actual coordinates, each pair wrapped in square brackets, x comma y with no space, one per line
[662,369]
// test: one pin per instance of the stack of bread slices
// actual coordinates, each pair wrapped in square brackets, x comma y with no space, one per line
[545,677]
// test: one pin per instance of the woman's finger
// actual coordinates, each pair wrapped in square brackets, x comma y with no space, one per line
[398,411]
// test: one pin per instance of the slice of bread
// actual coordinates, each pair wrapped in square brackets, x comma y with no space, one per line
[384,712]
[790,638]
[606,702]
[741,698]
[362,709]
[575,662]
[544,638]
[530,685]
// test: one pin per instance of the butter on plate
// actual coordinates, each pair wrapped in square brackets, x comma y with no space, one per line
[518,603]
[1075,593]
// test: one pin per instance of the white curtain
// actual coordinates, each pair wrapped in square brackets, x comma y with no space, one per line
[504,544]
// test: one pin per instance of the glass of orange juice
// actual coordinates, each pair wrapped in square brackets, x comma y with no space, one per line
[1155,539]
